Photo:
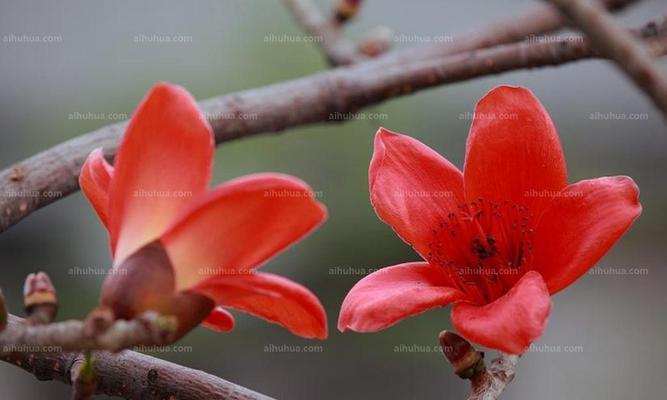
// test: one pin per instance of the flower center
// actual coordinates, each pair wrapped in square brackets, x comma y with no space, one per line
[485,246]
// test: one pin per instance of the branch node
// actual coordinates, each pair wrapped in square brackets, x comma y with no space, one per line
[376,42]
[98,321]
[84,378]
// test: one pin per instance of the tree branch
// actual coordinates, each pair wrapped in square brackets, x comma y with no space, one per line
[52,174]
[63,351]
[490,383]
[537,20]
[540,19]
[486,383]
[134,375]
[148,329]
[327,32]
[612,41]
[84,378]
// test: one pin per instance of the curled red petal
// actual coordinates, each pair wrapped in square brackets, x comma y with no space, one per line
[510,323]
[412,187]
[163,163]
[94,181]
[394,293]
[219,320]
[272,298]
[239,225]
[581,225]
[513,151]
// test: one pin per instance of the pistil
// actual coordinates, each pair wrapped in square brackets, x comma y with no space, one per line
[485,246]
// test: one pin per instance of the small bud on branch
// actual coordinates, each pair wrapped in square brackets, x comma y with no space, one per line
[465,360]
[376,42]
[346,9]
[487,383]
[39,298]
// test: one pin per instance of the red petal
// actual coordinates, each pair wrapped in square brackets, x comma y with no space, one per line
[163,163]
[240,225]
[392,294]
[512,322]
[94,180]
[272,298]
[513,151]
[219,320]
[581,225]
[412,187]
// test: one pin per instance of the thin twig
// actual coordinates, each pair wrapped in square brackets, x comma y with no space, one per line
[323,97]
[538,20]
[486,382]
[614,42]
[133,375]
[326,32]
[524,26]
[490,383]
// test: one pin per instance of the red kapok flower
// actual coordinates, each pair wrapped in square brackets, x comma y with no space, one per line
[497,239]
[184,250]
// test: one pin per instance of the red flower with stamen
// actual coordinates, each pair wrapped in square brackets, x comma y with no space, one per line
[184,250]
[498,238]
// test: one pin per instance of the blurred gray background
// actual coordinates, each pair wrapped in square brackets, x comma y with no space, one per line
[606,336]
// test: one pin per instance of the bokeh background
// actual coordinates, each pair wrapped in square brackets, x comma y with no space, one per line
[606,336]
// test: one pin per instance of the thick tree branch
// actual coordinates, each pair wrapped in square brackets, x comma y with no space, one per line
[148,329]
[63,351]
[52,174]
[50,352]
[133,376]
[614,42]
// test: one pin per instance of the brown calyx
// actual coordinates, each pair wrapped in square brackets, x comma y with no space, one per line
[145,281]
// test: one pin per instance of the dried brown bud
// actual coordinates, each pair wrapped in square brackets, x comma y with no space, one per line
[39,298]
[346,9]
[465,360]
[376,42]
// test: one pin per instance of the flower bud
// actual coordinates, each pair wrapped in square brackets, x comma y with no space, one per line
[39,298]
[465,360]
[376,42]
